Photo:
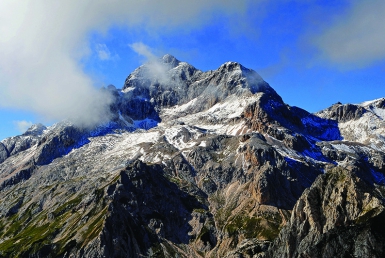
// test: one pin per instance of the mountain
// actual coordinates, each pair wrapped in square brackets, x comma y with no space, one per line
[197,164]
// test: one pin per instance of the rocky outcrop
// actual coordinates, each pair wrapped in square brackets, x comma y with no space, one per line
[143,219]
[165,82]
[343,113]
[197,164]
[18,175]
[338,216]
[3,153]
[17,144]
[271,115]
[59,142]
[169,82]
[35,130]
[362,123]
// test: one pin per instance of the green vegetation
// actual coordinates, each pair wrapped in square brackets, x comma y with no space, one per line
[200,210]
[95,227]
[217,157]
[67,206]
[366,216]
[175,180]
[156,251]
[27,235]
[265,227]
[218,199]
[221,216]
[56,232]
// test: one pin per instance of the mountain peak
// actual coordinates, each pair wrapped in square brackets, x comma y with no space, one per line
[184,154]
[230,66]
[170,59]
[35,129]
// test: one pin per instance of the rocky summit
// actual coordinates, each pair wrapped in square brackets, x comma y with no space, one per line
[198,164]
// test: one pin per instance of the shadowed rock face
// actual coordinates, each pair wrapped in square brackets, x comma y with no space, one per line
[145,210]
[343,113]
[197,164]
[14,145]
[338,216]
[3,153]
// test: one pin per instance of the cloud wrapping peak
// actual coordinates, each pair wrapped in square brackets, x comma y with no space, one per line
[23,125]
[156,67]
[357,38]
[143,50]
[42,42]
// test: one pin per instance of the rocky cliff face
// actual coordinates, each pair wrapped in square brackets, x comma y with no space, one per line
[340,215]
[197,164]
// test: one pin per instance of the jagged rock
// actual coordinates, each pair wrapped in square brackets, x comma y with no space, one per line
[58,143]
[380,103]
[363,123]
[17,144]
[249,248]
[36,130]
[343,113]
[20,174]
[165,82]
[339,216]
[3,153]
[296,142]
[195,164]
[143,219]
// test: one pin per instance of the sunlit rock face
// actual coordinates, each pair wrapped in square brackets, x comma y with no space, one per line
[197,164]
[339,215]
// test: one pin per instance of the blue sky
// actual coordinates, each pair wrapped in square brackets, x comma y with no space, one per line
[55,56]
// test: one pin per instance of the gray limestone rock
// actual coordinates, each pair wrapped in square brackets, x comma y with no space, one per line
[3,153]
[338,216]
[197,164]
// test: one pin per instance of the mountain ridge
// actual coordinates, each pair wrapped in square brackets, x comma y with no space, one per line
[191,163]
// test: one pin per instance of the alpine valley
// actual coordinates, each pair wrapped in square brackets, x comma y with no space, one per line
[198,164]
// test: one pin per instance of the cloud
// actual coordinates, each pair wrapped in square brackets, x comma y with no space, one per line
[23,125]
[143,50]
[156,67]
[42,43]
[103,52]
[357,38]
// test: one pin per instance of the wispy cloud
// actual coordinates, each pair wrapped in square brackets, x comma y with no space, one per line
[157,68]
[357,38]
[42,42]
[143,50]
[103,52]
[23,125]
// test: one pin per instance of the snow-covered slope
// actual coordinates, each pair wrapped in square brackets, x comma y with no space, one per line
[363,123]
[191,164]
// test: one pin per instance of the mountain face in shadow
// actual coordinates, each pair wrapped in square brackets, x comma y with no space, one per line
[197,164]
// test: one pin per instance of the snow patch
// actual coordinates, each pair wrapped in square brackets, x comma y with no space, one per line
[128,89]
[343,148]
[182,137]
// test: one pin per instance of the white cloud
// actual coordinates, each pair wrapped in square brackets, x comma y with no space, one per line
[156,68]
[103,52]
[357,38]
[42,42]
[23,125]
[143,50]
